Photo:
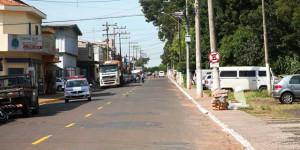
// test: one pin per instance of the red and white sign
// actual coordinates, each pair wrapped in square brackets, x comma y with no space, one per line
[214,57]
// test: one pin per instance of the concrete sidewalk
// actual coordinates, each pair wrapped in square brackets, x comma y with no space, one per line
[51,98]
[259,133]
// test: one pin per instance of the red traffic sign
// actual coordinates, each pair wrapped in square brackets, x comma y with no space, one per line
[214,57]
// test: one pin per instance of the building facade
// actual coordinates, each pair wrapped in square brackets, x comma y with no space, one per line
[87,60]
[21,46]
[66,40]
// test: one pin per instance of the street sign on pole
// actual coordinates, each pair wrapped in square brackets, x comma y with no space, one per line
[214,57]
[213,65]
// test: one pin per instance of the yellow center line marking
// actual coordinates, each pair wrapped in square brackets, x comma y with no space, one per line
[100,108]
[70,125]
[41,140]
[108,103]
[87,115]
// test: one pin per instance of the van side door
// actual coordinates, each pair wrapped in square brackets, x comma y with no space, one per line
[261,78]
[248,79]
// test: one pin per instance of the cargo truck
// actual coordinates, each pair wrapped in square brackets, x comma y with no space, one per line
[111,73]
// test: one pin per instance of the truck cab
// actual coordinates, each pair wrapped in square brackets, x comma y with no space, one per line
[110,74]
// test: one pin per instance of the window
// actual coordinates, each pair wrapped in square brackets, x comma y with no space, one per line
[262,73]
[247,73]
[1,66]
[295,80]
[228,74]
[77,83]
[57,80]
[36,30]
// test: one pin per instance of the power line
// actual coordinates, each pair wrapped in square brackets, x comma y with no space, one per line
[60,21]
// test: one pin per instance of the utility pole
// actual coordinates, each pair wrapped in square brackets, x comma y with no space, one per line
[120,39]
[122,33]
[266,49]
[187,40]
[213,45]
[198,51]
[107,38]
[179,40]
[129,55]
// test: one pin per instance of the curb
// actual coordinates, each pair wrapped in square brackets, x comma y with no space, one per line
[50,100]
[237,136]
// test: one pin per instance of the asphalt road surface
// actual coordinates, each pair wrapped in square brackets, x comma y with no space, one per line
[150,116]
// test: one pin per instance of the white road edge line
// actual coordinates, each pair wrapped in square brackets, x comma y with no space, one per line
[237,136]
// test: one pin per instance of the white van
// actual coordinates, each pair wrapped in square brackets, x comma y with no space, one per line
[249,77]
[161,74]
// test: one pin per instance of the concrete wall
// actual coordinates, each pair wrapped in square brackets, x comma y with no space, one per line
[85,51]
[66,41]
[11,17]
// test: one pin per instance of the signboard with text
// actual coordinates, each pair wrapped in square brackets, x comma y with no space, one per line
[22,42]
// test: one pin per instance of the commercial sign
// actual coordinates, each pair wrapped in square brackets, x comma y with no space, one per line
[21,42]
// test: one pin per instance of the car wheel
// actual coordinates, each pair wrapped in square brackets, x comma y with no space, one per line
[66,100]
[262,88]
[3,116]
[36,110]
[287,98]
[26,110]
[90,98]
[59,88]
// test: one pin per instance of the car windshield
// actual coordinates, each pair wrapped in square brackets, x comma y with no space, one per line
[76,83]
[108,68]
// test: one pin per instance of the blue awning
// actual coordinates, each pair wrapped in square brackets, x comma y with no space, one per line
[23,60]
[17,60]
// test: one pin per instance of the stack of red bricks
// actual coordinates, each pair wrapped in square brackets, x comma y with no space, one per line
[219,98]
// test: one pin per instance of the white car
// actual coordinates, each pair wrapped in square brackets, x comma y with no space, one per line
[161,74]
[77,88]
[60,83]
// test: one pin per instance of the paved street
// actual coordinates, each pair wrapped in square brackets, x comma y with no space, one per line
[150,116]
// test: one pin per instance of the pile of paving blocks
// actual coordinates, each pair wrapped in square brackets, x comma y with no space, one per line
[219,100]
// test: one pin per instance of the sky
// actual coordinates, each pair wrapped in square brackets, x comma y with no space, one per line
[142,32]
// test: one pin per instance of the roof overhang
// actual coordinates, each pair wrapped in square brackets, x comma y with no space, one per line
[30,9]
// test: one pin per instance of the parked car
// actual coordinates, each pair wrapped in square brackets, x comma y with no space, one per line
[208,81]
[161,74]
[60,84]
[287,89]
[249,77]
[205,72]
[77,87]
[149,73]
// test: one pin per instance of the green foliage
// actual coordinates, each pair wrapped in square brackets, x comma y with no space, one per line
[142,61]
[182,67]
[239,32]
[184,80]
[161,67]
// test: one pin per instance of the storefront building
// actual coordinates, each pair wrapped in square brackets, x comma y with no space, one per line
[21,49]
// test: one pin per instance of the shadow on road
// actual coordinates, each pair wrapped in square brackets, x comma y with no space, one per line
[53,109]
